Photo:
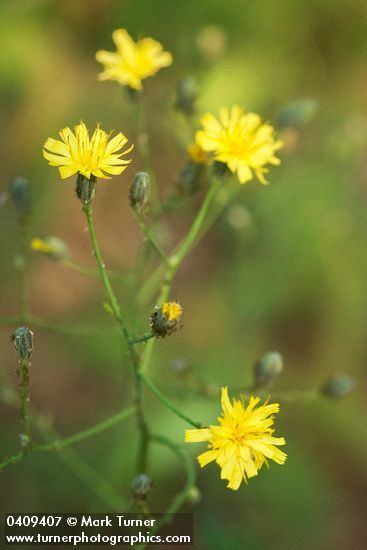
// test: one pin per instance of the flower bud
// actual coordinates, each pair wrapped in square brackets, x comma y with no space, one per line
[140,191]
[186,96]
[220,169]
[141,485]
[268,368]
[85,188]
[193,496]
[338,386]
[179,366]
[164,320]
[53,247]
[23,342]
[298,113]
[20,192]
[212,41]
[188,181]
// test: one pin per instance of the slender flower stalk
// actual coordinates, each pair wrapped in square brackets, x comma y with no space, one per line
[176,259]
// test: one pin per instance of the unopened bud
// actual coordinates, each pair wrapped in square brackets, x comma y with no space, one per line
[186,96]
[140,191]
[164,320]
[23,342]
[338,385]
[194,496]
[20,192]
[268,368]
[53,247]
[85,188]
[141,485]
[188,181]
[220,169]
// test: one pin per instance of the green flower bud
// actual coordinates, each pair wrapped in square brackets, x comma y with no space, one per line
[141,485]
[23,342]
[193,496]
[338,386]
[268,368]
[298,113]
[220,169]
[140,191]
[188,181]
[186,96]
[85,188]
[164,320]
[20,192]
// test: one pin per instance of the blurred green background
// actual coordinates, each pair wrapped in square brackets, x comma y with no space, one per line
[285,268]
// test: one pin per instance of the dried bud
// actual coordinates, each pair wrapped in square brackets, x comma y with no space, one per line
[164,320]
[141,485]
[186,96]
[23,342]
[268,369]
[85,188]
[20,192]
[140,191]
[53,247]
[338,385]
[298,113]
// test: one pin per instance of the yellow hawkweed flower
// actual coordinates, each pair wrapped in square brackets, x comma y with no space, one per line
[242,442]
[133,61]
[80,153]
[39,245]
[242,141]
[198,155]
[51,246]
[172,310]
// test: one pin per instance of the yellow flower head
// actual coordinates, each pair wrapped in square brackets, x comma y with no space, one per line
[242,141]
[77,152]
[133,61]
[40,245]
[242,442]
[172,310]
[198,155]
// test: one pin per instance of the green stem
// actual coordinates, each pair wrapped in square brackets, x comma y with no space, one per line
[75,438]
[144,145]
[194,231]
[157,392]
[176,259]
[151,239]
[134,359]
[142,339]
[86,434]
[181,497]
[87,209]
[23,275]
[23,374]
[89,272]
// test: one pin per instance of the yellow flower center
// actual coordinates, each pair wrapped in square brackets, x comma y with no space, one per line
[172,310]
